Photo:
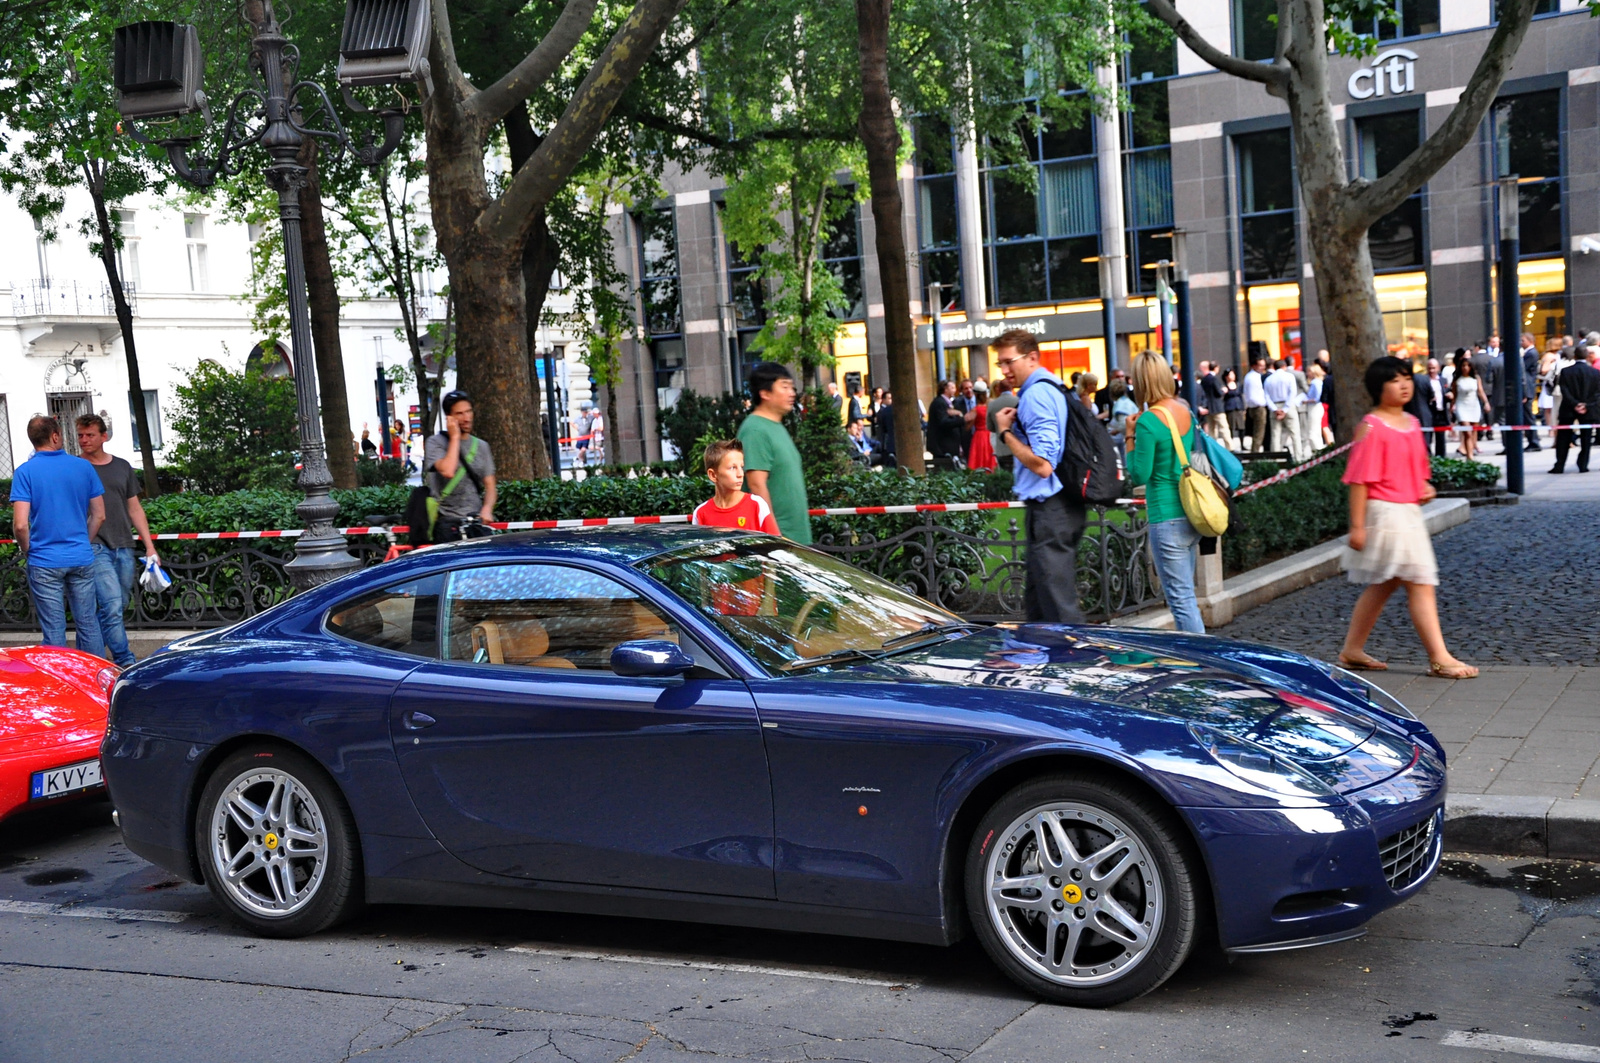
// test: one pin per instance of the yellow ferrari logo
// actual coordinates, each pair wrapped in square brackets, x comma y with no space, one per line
[741,522]
[270,841]
[1071,893]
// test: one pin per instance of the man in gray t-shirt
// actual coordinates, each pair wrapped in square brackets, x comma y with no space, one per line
[115,565]
[457,451]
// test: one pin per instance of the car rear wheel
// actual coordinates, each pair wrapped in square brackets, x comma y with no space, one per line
[277,844]
[1082,890]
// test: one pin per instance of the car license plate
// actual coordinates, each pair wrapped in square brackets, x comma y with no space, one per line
[70,779]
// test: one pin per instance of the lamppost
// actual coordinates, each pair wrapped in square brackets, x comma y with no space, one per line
[157,72]
[1510,203]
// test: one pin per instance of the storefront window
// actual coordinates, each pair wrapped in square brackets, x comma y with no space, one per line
[1542,284]
[1403,299]
[1273,311]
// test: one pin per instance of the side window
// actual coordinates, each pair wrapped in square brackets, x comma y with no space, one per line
[544,616]
[404,617]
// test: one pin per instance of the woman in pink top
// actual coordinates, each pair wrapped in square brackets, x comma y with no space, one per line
[1388,474]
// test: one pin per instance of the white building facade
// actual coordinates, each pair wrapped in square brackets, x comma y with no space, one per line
[188,273]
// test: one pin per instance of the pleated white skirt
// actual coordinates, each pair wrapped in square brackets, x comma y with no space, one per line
[1398,546]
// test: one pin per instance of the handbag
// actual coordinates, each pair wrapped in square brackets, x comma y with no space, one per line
[1204,503]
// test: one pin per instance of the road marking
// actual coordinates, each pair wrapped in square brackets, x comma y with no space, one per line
[90,912]
[1523,1046]
[710,965]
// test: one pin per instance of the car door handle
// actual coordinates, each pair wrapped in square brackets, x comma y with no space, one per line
[416,721]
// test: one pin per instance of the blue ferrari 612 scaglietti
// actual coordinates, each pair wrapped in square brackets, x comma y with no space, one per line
[691,723]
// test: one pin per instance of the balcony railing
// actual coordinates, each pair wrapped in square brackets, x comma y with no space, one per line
[63,300]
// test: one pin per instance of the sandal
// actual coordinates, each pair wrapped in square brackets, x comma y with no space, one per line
[1364,663]
[1454,670]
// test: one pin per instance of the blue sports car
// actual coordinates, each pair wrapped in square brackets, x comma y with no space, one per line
[691,723]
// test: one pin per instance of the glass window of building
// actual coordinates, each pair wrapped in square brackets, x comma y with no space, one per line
[1527,142]
[841,250]
[1269,249]
[1407,18]
[938,234]
[1403,300]
[1043,241]
[1542,284]
[1151,59]
[663,309]
[1255,31]
[1382,142]
[748,295]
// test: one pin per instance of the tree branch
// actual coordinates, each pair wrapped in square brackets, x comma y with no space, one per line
[446,71]
[564,146]
[1270,74]
[496,101]
[699,35]
[711,140]
[1366,202]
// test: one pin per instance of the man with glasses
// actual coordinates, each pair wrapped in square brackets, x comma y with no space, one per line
[1036,432]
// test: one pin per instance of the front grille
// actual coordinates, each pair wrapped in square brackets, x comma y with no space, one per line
[1405,855]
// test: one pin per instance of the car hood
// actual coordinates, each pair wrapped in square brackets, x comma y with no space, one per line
[33,701]
[1279,700]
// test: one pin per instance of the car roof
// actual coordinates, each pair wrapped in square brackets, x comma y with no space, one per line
[624,543]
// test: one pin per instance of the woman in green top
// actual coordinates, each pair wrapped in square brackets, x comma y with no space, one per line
[1155,463]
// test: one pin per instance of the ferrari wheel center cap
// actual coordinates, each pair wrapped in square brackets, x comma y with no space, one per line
[270,841]
[1069,893]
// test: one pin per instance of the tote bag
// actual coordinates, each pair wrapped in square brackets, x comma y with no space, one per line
[1203,501]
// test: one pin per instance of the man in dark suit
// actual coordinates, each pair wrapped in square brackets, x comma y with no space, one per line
[1489,364]
[883,426]
[1527,361]
[1580,404]
[1428,404]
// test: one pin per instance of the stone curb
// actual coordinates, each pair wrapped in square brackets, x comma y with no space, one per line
[1261,585]
[1522,826]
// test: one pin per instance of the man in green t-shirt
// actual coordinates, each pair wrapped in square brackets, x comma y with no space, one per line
[771,462]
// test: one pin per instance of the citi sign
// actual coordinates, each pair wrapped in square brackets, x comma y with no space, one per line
[1390,74]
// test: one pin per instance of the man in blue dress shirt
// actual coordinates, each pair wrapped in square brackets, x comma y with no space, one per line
[57,508]
[1036,432]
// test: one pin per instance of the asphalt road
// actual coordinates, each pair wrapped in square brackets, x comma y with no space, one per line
[1499,953]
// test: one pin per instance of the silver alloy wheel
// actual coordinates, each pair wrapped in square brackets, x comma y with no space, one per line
[1074,894]
[269,843]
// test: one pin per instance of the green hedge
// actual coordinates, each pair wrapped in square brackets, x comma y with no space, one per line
[1279,520]
[1452,474]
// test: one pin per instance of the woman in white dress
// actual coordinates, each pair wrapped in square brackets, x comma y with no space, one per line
[1467,393]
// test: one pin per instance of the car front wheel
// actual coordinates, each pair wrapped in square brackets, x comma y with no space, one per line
[1082,891]
[277,844]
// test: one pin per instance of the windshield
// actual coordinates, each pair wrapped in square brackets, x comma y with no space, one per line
[784,604]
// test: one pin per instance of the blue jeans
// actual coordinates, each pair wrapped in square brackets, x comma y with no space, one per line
[53,589]
[113,586]
[1175,545]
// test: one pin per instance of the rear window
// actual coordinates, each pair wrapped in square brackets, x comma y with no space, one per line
[404,618]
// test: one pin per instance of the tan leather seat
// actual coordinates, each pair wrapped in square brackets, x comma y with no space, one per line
[519,642]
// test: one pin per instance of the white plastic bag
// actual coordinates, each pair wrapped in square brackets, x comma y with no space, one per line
[153,578]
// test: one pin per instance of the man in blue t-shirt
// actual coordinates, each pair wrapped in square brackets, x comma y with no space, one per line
[56,509]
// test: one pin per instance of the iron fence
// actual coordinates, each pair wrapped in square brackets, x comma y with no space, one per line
[978,573]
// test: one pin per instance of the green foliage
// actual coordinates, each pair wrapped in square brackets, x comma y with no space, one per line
[235,429]
[371,473]
[1281,519]
[1460,473]
[820,437]
[696,417]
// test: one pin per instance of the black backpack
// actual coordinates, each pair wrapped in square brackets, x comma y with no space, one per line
[1090,467]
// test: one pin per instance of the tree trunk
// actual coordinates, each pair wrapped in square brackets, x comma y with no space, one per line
[491,358]
[322,296]
[119,298]
[880,136]
[1350,317]
[538,264]
[609,437]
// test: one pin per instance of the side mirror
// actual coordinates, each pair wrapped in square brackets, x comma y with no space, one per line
[650,657]
[156,68]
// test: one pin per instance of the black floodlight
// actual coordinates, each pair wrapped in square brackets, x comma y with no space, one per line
[156,69]
[385,42]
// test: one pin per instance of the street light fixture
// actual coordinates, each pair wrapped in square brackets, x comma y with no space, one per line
[157,72]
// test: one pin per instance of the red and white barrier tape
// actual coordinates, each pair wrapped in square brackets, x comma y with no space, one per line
[683,518]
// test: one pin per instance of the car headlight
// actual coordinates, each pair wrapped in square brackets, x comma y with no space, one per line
[1259,766]
[1366,690]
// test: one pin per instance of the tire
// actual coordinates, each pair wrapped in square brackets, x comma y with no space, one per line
[274,816]
[1099,952]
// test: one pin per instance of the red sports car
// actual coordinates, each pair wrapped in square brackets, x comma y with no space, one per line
[52,717]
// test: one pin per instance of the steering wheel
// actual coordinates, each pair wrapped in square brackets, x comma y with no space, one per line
[801,617]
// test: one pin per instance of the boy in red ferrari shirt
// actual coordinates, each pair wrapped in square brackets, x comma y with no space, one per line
[731,507]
